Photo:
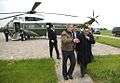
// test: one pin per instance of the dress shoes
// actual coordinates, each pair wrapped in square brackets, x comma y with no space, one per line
[58,58]
[66,78]
[82,75]
[70,76]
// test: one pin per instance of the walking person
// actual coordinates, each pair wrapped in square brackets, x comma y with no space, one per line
[84,49]
[6,33]
[67,47]
[52,41]
[76,31]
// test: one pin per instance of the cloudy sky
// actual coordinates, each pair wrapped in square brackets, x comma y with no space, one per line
[107,9]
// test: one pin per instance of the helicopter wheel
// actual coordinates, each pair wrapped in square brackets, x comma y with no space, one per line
[28,37]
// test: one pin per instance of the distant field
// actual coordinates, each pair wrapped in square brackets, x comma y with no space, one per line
[28,71]
[105,69]
[106,32]
[109,41]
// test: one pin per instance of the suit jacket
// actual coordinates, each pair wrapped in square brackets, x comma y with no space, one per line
[75,35]
[6,31]
[84,47]
[67,43]
[52,35]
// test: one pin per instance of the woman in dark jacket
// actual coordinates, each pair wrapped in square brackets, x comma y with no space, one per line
[84,49]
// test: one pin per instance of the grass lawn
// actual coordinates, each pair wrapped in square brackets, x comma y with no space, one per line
[28,71]
[106,32]
[105,69]
[109,41]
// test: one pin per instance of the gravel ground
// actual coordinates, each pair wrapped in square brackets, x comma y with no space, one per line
[38,48]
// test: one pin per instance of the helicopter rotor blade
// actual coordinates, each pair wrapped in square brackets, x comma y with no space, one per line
[58,14]
[89,17]
[12,12]
[96,22]
[10,16]
[40,15]
[35,6]
[93,13]
[97,16]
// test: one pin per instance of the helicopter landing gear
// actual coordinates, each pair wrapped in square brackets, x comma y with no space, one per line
[23,36]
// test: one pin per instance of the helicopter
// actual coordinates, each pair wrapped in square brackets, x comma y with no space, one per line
[29,24]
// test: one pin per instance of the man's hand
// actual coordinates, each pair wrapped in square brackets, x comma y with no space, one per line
[52,41]
[87,37]
[76,40]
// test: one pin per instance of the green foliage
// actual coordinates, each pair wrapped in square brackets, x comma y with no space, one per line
[28,71]
[105,69]
[103,29]
[109,41]
[1,29]
[106,32]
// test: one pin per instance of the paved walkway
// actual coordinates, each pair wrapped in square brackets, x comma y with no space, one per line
[76,74]
[38,48]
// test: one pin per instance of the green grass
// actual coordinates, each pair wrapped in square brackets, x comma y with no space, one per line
[109,41]
[105,69]
[28,71]
[106,32]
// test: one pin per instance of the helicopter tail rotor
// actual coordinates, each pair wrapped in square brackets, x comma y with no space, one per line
[97,16]
[96,22]
[89,17]
[92,19]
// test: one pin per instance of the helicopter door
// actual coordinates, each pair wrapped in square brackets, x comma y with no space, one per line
[16,26]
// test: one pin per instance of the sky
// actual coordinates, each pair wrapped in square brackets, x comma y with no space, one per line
[107,9]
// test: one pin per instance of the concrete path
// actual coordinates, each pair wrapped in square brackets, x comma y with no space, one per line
[76,74]
[38,48]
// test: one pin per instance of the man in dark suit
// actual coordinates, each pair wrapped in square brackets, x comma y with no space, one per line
[6,32]
[84,49]
[77,31]
[52,41]
[22,35]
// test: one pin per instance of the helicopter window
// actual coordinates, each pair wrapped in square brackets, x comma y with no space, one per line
[42,26]
[29,26]
[37,19]
[32,26]
[29,18]
[32,19]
